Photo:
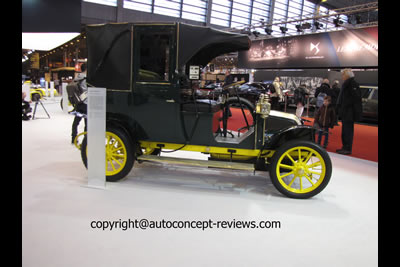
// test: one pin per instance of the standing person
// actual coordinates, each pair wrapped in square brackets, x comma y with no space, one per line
[335,94]
[323,91]
[228,78]
[324,119]
[349,105]
[80,107]
[300,99]
[26,108]
[277,95]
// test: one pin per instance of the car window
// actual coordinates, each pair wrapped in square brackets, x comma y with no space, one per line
[365,92]
[154,57]
[375,95]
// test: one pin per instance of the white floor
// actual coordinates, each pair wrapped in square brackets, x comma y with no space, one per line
[338,227]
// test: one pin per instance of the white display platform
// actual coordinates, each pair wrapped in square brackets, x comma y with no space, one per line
[338,227]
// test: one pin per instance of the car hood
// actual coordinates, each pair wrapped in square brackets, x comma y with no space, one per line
[285,115]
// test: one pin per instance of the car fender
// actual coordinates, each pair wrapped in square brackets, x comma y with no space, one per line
[125,123]
[298,132]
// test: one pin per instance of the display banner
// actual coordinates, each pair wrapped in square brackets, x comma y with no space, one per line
[339,49]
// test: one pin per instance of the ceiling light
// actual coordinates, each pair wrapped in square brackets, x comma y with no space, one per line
[256,33]
[45,41]
[337,22]
[283,29]
[298,27]
[318,25]
[268,30]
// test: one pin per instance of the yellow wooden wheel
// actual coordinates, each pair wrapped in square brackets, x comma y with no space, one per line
[300,169]
[119,154]
[116,154]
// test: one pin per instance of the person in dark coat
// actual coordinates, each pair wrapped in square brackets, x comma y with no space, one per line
[300,99]
[324,88]
[335,94]
[80,107]
[349,107]
[324,119]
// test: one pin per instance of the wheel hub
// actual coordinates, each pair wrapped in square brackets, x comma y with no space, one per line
[300,169]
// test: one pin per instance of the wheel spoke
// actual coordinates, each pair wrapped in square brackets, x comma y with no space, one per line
[310,180]
[287,174]
[314,165]
[118,155]
[291,182]
[308,157]
[286,166]
[301,183]
[317,173]
[300,155]
[112,165]
[288,155]
[113,149]
[115,160]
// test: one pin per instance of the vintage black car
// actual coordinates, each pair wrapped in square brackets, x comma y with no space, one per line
[146,69]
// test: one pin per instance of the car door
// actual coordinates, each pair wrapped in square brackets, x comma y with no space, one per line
[156,100]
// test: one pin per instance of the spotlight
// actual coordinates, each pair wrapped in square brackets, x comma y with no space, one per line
[337,22]
[268,30]
[283,29]
[256,33]
[298,27]
[318,25]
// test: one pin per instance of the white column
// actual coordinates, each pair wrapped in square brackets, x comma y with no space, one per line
[96,109]
[65,97]
[52,91]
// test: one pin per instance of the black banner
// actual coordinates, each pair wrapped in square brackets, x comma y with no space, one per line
[51,16]
[349,48]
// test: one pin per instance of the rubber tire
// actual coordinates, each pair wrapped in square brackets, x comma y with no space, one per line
[281,150]
[129,151]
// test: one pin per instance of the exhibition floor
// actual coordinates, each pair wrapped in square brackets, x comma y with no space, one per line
[338,227]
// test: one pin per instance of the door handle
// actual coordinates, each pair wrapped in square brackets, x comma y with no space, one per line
[170,101]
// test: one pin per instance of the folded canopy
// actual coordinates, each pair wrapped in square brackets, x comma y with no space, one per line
[199,45]
[110,55]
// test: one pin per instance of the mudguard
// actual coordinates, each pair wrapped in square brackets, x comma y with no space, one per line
[298,132]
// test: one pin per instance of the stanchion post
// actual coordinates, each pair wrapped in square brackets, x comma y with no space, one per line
[65,97]
[52,91]
[96,110]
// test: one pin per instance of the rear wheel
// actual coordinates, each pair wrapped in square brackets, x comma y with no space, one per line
[300,169]
[119,154]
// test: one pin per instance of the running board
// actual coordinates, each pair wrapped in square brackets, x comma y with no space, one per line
[196,162]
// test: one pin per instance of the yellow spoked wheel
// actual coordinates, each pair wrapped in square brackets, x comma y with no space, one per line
[119,154]
[300,169]
[116,155]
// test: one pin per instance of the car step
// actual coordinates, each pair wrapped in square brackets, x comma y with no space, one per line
[197,162]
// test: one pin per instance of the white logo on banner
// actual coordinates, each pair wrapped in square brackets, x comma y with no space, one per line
[314,46]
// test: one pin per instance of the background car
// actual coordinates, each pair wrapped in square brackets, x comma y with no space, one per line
[369,95]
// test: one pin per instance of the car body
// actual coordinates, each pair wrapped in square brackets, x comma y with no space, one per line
[151,108]
[38,92]
[369,96]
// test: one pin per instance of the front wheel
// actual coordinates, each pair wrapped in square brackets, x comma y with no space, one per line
[119,154]
[300,169]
